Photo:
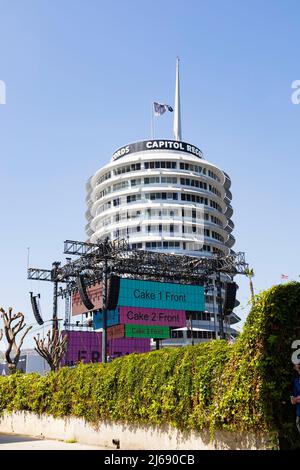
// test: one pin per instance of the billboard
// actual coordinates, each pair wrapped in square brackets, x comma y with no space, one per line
[152,316]
[161,295]
[82,346]
[137,331]
[147,331]
[122,346]
[86,346]
[112,318]
[95,295]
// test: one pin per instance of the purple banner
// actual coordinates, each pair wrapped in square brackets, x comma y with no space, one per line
[121,346]
[85,346]
[82,346]
[152,316]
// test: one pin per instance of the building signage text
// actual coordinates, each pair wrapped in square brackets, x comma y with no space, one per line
[146,331]
[157,145]
[152,316]
[160,295]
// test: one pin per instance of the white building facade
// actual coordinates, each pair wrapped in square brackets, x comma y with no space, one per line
[163,195]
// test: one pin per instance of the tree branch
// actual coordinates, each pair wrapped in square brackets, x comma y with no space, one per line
[11,333]
[51,348]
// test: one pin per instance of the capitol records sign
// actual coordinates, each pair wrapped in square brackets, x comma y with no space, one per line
[157,145]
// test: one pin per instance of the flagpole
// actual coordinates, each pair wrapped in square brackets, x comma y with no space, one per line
[152,122]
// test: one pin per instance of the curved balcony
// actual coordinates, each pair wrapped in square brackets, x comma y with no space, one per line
[228,194]
[230,242]
[234,318]
[231,224]
[229,211]
[89,232]
[228,229]
[88,183]
[227,182]
[88,215]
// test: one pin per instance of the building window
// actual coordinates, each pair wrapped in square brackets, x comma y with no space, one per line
[136,246]
[160,164]
[127,168]
[104,177]
[177,334]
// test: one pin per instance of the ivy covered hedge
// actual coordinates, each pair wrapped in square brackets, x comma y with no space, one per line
[239,387]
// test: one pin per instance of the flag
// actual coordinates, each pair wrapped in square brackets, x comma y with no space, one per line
[284,276]
[160,108]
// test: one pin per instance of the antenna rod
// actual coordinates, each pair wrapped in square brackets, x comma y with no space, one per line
[177,113]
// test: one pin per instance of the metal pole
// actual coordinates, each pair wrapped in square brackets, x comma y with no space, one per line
[54,317]
[152,122]
[68,300]
[104,310]
[220,308]
[214,311]
[54,279]
[192,333]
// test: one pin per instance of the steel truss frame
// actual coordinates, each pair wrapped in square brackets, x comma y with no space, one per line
[139,263]
[98,261]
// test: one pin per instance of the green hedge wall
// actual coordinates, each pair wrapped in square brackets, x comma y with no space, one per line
[244,386]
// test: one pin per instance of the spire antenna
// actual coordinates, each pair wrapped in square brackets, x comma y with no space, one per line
[177,112]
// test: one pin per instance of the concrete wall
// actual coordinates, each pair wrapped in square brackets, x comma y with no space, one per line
[130,436]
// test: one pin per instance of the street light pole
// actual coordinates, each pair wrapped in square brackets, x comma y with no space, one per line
[220,307]
[55,289]
[104,310]
[190,326]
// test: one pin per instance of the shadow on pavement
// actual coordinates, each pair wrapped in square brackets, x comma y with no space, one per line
[10,438]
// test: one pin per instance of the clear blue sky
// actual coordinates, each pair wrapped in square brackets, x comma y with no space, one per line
[81,77]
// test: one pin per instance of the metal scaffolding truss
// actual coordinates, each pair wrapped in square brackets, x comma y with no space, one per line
[39,274]
[116,258]
[106,248]
[96,262]
[179,267]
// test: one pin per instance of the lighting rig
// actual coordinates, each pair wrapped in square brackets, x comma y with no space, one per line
[97,262]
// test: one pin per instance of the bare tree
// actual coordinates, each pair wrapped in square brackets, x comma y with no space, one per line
[54,349]
[11,333]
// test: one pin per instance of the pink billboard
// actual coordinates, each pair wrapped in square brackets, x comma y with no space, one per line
[152,316]
[86,346]
[82,346]
[94,294]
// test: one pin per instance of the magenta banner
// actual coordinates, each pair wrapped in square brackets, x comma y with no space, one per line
[152,316]
[85,346]
[82,346]
[121,346]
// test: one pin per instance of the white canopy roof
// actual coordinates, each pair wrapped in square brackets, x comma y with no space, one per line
[185,328]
